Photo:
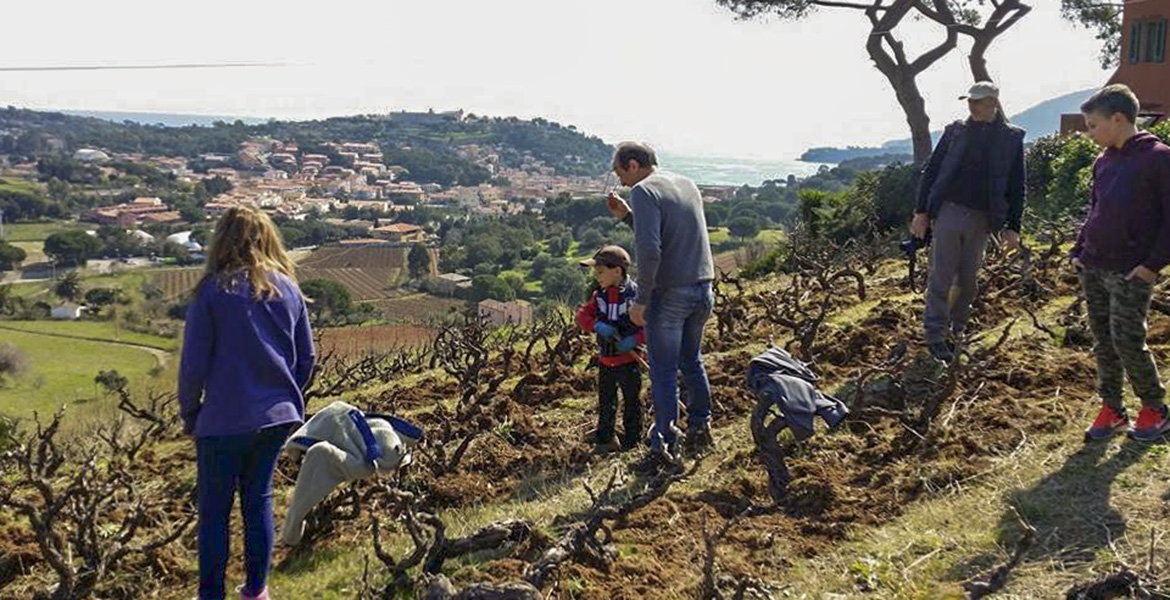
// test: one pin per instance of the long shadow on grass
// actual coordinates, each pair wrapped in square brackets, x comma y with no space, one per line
[1069,508]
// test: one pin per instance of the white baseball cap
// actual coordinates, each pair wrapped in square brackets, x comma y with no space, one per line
[981,90]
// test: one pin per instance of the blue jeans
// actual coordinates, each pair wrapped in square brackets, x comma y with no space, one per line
[227,463]
[674,336]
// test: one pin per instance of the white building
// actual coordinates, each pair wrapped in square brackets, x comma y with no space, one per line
[142,236]
[90,155]
[516,312]
[183,238]
[68,311]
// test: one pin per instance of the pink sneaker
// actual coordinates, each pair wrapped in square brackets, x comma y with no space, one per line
[263,595]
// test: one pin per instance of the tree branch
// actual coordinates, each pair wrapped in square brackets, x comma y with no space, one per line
[832,4]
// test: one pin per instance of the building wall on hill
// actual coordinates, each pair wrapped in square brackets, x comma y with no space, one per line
[1144,67]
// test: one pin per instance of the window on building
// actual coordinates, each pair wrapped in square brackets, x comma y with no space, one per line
[1160,41]
[1147,41]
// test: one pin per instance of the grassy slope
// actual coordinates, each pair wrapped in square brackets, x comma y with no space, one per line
[97,330]
[61,371]
[926,553]
[34,252]
[767,236]
[1092,505]
[37,232]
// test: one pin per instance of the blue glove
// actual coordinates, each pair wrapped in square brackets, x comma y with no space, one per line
[627,344]
[605,331]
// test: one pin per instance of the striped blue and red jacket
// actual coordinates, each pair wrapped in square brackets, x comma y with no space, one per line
[612,306]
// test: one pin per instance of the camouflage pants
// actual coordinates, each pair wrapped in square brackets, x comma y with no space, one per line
[1117,317]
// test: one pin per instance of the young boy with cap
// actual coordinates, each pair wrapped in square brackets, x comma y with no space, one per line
[606,314]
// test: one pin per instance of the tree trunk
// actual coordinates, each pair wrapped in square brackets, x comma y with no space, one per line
[914,106]
[904,81]
[978,59]
[1005,15]
[889,56]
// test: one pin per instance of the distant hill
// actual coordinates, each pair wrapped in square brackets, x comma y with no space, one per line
[1038,121]
[1044,118]
[429,145]
[166,119]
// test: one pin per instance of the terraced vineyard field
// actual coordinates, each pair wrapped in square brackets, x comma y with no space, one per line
[419,308]
[177,282]
[350,341]
[367,257]
[363,284]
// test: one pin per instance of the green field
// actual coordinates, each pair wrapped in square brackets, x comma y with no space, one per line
[13,184]
[99,330]
[130,282]
[37,232]
[33,290]
[771,236]
[61,371]
[767,236]
[35,252]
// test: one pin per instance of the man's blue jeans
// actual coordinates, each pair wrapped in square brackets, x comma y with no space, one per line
[226,463]
[674,337]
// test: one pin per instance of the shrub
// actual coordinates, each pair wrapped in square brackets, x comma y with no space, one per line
[13,362]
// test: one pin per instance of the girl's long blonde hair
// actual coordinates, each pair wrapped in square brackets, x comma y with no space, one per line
[246,241]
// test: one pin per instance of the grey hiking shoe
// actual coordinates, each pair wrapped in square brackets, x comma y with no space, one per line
[658,461]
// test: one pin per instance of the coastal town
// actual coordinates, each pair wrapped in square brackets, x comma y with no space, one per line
[377,211]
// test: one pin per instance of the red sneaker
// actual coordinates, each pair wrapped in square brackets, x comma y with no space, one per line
[1151,424]
[1108,422]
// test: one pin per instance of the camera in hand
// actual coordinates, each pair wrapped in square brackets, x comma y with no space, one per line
[912,245]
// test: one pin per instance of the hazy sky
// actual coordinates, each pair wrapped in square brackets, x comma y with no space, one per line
[682,74]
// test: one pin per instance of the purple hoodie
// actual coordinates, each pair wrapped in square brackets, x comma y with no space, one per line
[244,362]
[1129,218]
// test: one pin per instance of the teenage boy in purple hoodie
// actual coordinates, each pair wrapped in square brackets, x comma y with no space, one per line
[1123,244]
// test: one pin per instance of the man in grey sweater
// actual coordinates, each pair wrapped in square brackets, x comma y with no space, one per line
[674,292]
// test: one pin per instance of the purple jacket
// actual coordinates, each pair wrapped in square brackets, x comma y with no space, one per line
[1129,218]
[244,362]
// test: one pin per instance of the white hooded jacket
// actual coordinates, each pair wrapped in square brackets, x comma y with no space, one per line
[342,444]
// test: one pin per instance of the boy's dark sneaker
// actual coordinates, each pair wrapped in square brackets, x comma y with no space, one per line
[263,595]
[1151,424]
[659,461]
[1108,422]
[698,439]
[606,447]
[942,351]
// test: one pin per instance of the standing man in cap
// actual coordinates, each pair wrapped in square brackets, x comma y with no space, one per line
[674,299]
[971,188]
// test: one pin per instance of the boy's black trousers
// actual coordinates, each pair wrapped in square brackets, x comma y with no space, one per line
[628,379]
